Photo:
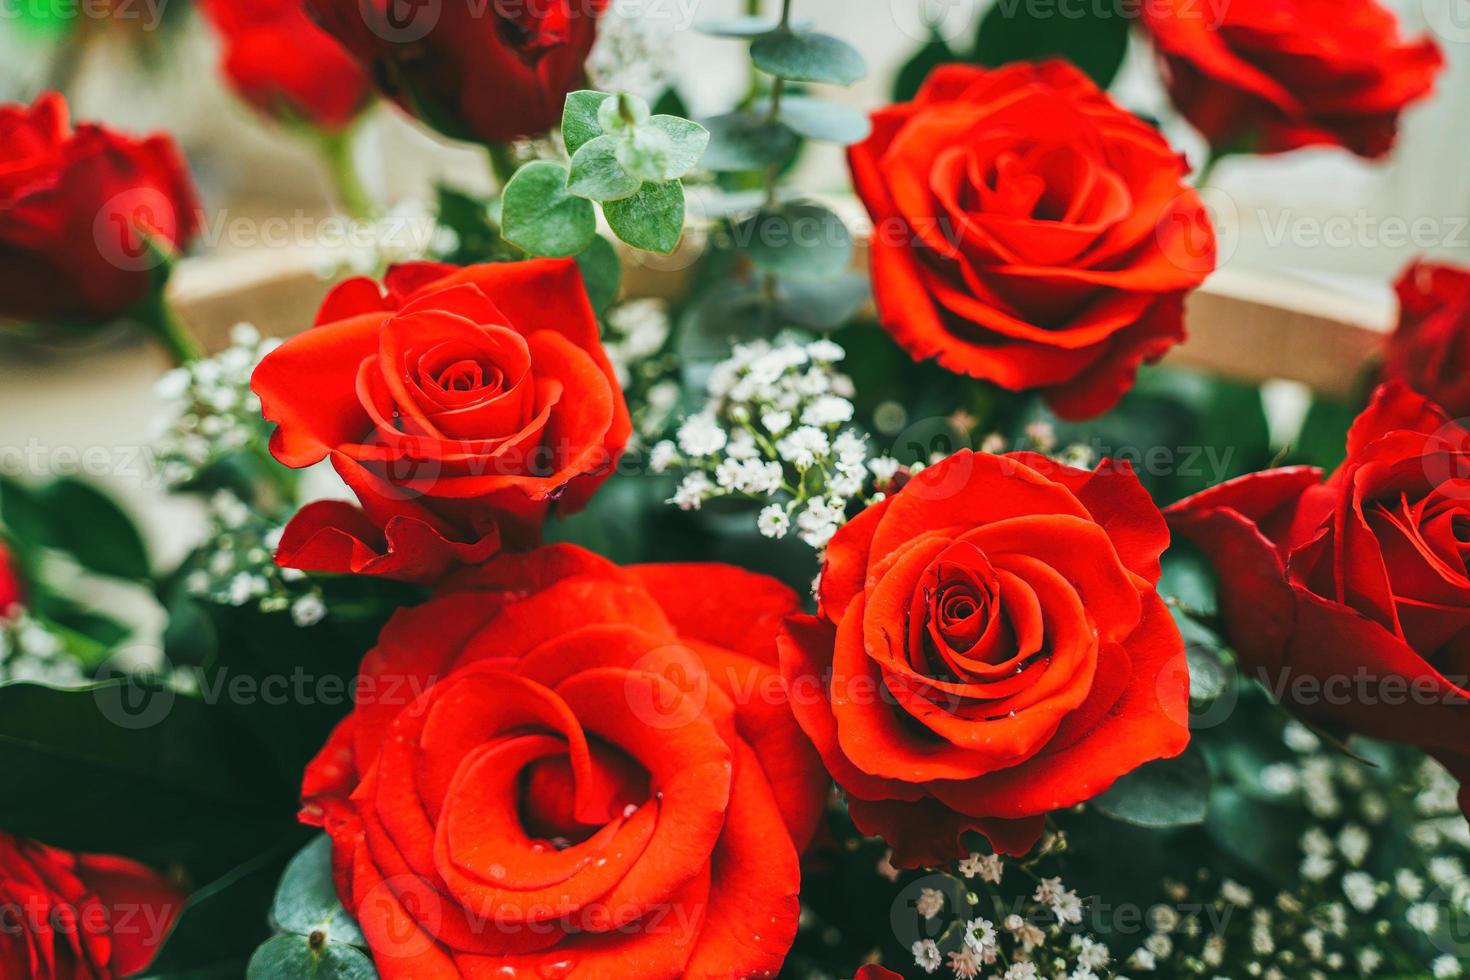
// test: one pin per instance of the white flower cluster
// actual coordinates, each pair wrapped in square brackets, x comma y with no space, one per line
[999,939]
[635,335]
[634,52]
[406,232]
[211,411]
[238,567]
[1341,919]
[30,651]
[775,428]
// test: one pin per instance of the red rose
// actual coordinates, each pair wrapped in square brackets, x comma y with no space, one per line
[571,769]
[989,648]
[485,71]
[12,585]
[72,204]
[1029,232]
[285,65]
[457,404]
[1266,76]
[1350,599]
[874,972]
[67,916]
[1430,350]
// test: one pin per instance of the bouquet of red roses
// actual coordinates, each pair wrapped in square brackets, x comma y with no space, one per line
[714,579]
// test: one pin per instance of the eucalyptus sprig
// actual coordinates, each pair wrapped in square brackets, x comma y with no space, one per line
[624,159]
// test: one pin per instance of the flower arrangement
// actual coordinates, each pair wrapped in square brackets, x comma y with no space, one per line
[869,603]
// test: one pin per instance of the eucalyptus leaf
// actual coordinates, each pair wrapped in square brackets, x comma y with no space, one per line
[822,304]
[798,241]
[602,272]
[306,900]
[541,216]
[808,57]
[645,153]
[596,173]
[298,958]
[1167,793]
[688,141]
[818,119]
[744,140]
[652,219]
[579,118]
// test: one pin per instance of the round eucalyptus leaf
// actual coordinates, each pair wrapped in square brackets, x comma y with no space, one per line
[687,141]
[645,153]
[652,219]
[818,119]
[295,958]
[306,899]
[597,174]
[808,57]
[797,241]
[541,216]
[822,304]
[622,112]
[1167,793]
[602,272]
[579,118]
[748,141]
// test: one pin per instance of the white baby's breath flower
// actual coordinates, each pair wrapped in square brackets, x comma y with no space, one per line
[662,456]
[693,491]
[773,521]
[926,955]
[701,435]
[930,902]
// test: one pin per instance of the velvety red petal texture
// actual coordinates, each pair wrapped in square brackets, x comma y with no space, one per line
[281,62]
[1266,76]
[459,405]
[74,208]
[1030,232]
[1350,598]
[489,75]
[990,647]
[558,767]
[12,585]
[79,916]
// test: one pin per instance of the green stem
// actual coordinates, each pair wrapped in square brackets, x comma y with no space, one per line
[347,187]
[1208,170]
[158,316]
[503,162]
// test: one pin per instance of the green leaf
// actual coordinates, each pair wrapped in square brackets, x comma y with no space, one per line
[155,764]
[935,52]
[94,531]
[822,304]
[189,639]
[1168,793]
[221,923]
[798,241]
[652,219]
[688,140]
[597,175]
[579,118]
[808,57]
[602,272]
[1323,437]
[817,119]
[296,958]
[306,901]
[748,141]
[1095,40]
[1262,835]
[540,216]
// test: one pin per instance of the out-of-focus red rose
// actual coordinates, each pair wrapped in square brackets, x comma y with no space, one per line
[1266,76]
[281,62]
[1430,350]
[874,972]
[72,205]
[488,71]
[989,647]
[66,916]
[563,768]
[1350,598]
[12,586]
[458,404]
[1030,232]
